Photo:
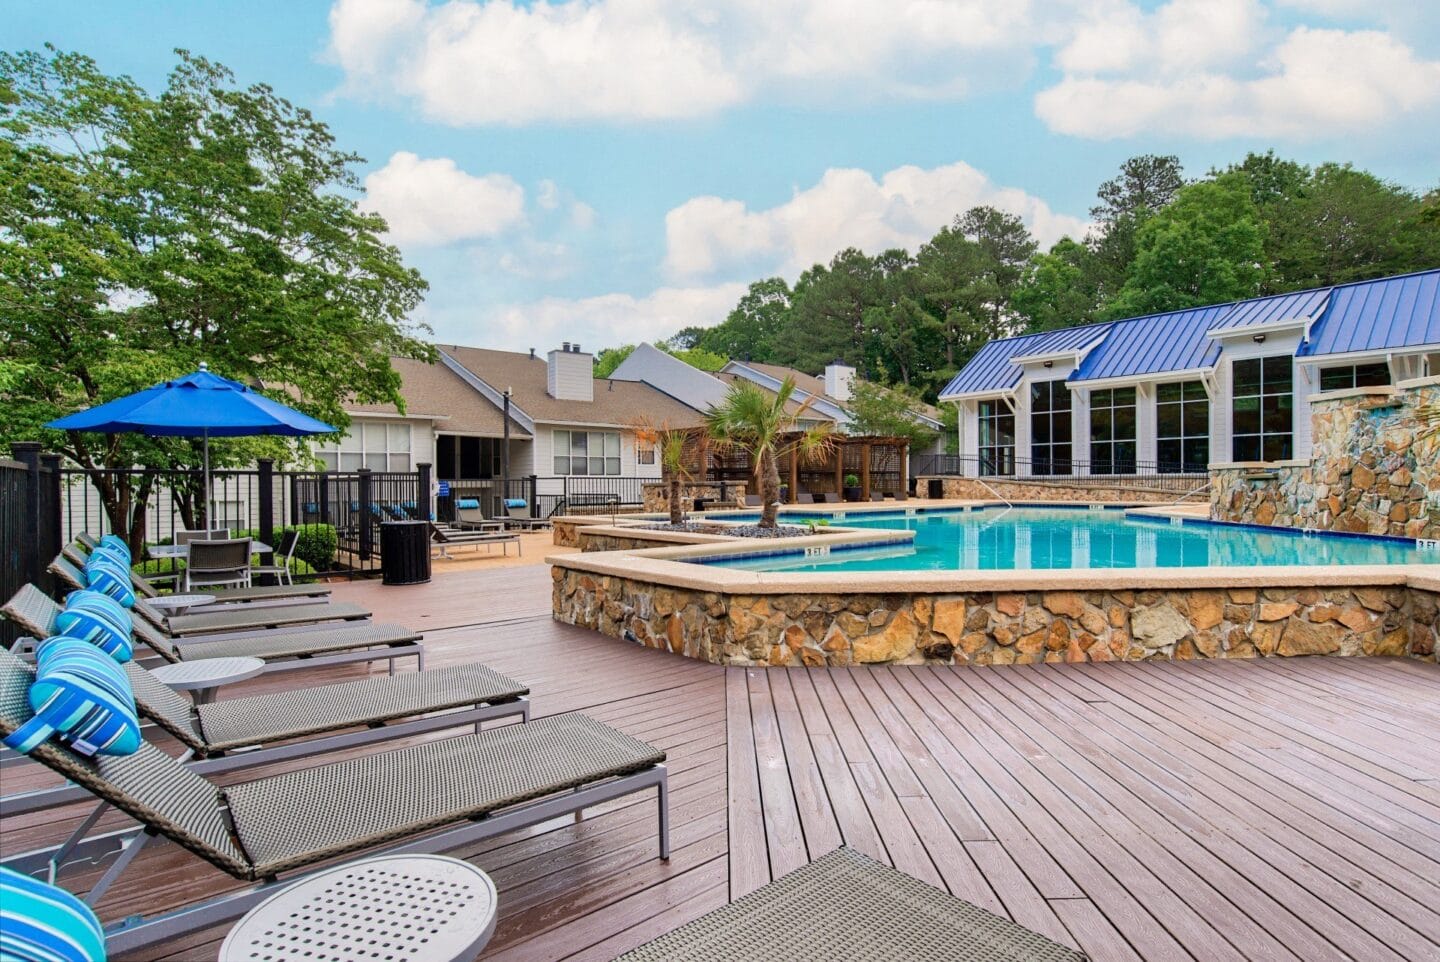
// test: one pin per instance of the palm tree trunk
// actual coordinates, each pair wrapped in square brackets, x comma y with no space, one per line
[769,489]
[676,515]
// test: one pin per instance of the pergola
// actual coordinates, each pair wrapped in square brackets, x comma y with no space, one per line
[878,462]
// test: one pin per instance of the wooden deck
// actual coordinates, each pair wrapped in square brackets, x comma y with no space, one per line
[1266,810]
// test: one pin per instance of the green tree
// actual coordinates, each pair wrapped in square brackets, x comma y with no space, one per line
[887,411]
[749,332]
[1206,247]
[1144,185]
[958,290]
[1007,248]
[767,427]
[827,318]
[140,235]
[610,358]
[671,442]
[1060,288]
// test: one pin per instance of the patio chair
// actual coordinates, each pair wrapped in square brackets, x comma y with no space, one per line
[35,612]
[517,514]
[877,496]
[432,797]
[187,535]
[225,563]
[447,538]
[69,564]
[804,497]
[285,556]
[469,516]
[267,727]
[832,497]
[849,906]
[754,501]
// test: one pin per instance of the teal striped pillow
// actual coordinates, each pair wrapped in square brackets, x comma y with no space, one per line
[82,697]
[42,923]
[105,574]
[115,543]
[98,619]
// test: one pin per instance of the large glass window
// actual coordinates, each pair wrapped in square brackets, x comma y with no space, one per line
[997,438]
[376,445]
[1354,375]
[1050,448]
[587,452]
[1112,431]
[1264,409]
[1182,430]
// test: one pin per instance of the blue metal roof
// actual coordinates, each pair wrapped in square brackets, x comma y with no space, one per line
[1381,315]
[1299,305]
[991,368]
[1155,344]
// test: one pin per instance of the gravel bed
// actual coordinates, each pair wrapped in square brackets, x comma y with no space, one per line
[734,530]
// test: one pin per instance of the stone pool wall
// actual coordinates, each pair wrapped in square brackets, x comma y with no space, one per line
[656,495]
[1000,628]
[1373,470]
[986,489]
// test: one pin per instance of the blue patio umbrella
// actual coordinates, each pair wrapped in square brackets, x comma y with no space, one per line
[201,405]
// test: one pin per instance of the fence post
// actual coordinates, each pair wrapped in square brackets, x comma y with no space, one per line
[423,504]
[322,499]
[367,531]
[266,480]
[49,520]
[28,454]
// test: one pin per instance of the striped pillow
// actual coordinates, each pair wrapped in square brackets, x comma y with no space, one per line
[467,503]
[514,502]
[110,577]
[116,544]
[100,620]
[42,923]
[81,696]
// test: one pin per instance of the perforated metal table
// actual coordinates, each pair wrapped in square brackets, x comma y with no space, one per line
[416,908]
[203,676]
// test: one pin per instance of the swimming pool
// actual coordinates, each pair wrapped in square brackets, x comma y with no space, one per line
[1023,538]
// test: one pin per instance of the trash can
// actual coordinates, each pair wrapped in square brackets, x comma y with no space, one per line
[934,488]
[405,552]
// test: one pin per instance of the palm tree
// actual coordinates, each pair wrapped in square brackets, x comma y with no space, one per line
[767,427]
[671,443]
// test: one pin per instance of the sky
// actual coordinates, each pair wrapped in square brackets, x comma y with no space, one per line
[609,171]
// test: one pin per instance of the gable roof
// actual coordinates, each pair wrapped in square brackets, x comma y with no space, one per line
[1154,344]
[1379,315]
[808,383]
[1300,306]
[992,369]
[435,391]
[616,403]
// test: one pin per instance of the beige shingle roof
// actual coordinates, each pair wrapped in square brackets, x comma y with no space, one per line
[433,390]
[816,385]
[617,403]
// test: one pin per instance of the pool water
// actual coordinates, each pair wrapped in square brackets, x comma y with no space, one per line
[1051,538]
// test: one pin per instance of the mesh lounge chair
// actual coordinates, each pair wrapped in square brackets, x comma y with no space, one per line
[517,515]
[470,516]
[804,497]
[848,906]
[831,497]
[33,611]
[383,707]
[431,797]
[447,538]
[753,501]
[78,554]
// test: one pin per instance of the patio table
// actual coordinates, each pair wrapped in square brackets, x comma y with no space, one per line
[420,908]
[183,550]
[173,605]
[203,676]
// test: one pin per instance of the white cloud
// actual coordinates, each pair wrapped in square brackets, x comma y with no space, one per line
[501,61]
[610,318]
[1212,69]
[847,208]
[582,215]
[431,201]
[548,195]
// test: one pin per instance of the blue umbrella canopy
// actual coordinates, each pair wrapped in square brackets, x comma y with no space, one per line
[196,405]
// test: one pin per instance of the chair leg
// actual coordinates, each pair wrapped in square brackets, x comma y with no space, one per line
[662,795]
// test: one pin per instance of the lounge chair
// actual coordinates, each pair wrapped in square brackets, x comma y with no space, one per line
[754,501]
[447,538]
[470,517]
[78,554]
[517,515]
[35,612]
[832,497]
[849,906]
[877,496]
[804,497]
[383,708]
[432,797]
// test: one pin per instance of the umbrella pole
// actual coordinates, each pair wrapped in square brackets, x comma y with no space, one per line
[205,494]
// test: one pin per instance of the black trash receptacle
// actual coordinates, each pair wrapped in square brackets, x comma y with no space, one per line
[934,488]
[405,552]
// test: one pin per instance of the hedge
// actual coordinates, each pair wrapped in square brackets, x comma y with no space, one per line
[316,547]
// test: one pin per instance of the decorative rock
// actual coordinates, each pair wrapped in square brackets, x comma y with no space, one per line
[1277,610]
[896,641]
[949,618]
[1206,609]
[1304,638]
[1394,644]
[1158,627]
[1064,603]
[1010,605]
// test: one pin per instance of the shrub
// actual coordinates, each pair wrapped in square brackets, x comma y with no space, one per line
[852,481]
[169,566]
[316,547]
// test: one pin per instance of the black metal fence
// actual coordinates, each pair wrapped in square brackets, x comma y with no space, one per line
[1147,475]
[29,528]
[544,497]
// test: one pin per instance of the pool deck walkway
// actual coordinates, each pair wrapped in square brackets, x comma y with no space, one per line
[1208,811]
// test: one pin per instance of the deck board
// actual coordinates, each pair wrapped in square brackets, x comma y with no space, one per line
[1259,810]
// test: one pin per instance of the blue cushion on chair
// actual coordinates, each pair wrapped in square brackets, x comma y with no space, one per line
[515,502]
[107,576]
[42,923]
[82,696]
[468,503]
[109,553]
[98,619]
[117,544]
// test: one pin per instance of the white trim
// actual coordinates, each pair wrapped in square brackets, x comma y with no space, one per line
[402,417]
[1269,327]
[980,395]
[1160,377]
[1353,357]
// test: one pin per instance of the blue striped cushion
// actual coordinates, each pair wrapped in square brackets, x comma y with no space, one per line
[98,619]
[83,697]
[122,558]
[514,502]
[117,544]
[42,923]
[111,578]
[468,503]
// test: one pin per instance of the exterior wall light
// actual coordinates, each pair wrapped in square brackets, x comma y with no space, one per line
[1049,363]
[1258,338]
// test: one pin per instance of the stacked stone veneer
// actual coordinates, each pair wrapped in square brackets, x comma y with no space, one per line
[1373,470]
[656,496]
[986,489]
[1000,628]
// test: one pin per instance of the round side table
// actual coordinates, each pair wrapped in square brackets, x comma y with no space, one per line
[172,605]
[203,676]
[402,908]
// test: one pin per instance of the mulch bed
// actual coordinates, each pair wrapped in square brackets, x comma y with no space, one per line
[734,530]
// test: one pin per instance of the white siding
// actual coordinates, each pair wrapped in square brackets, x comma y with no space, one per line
[570,376]
[1146,424]
[542,451]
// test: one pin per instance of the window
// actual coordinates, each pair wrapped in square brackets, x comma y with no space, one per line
[377,445]
[1264,400]
[644,453]
[587,452]
[997,438]
[1050,428]
[1112,431]
[1182,415]
[1354,375]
